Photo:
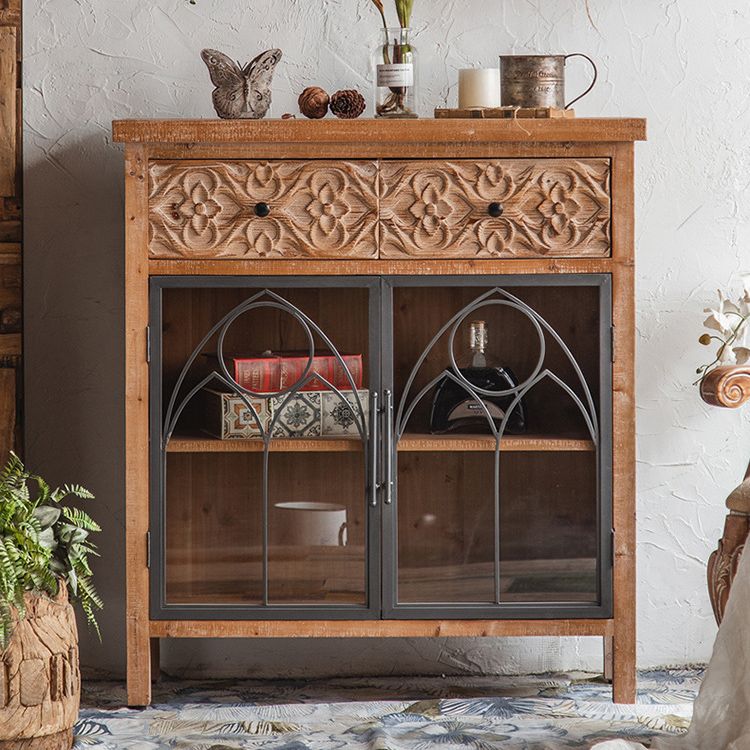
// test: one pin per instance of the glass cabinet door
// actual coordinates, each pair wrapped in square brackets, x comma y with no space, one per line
[500,447]
[262,457]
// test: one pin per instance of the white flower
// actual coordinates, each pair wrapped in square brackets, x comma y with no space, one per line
[731,322]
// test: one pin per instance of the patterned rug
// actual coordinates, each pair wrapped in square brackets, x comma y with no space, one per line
[544,712]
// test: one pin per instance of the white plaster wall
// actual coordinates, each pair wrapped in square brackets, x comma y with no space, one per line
[681,63]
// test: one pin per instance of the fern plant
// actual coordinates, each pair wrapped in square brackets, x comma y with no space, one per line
[43,541]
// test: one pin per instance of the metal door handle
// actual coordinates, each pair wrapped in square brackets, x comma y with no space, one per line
[374,439]
[388,446]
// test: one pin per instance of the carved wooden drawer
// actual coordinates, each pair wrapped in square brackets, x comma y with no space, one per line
[262,209]
[495,208]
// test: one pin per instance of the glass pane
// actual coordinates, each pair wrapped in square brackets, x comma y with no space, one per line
[545,531]
[548,527]
[218,549]
[446,527]
[317,528]
[214,529]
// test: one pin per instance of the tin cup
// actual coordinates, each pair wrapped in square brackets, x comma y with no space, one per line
[537,81]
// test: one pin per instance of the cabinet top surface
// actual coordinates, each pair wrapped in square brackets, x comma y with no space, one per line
[380,131]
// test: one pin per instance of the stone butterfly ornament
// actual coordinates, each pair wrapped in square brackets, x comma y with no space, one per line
[241,93]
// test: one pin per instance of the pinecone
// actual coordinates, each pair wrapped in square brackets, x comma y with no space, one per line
[313,102]
[348,104]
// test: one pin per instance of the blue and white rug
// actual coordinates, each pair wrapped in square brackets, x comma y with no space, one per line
[545,712]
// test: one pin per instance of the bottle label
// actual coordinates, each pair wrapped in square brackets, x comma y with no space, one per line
[395,74]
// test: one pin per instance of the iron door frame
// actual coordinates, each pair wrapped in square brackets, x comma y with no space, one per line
[160,609]
[392,609]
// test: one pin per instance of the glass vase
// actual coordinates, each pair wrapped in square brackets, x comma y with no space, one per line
[394,61]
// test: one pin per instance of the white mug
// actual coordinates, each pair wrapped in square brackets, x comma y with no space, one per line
[311,524]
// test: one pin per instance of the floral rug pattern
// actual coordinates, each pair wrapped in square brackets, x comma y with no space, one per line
[543,712]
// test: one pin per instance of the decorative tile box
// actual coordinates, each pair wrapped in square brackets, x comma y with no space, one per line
[304,414]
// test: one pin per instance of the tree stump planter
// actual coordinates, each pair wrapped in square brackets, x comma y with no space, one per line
[40,684]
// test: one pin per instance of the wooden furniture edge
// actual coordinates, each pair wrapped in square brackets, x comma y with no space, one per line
[402,131]
[623,437]
[136,427]
[727,386]
[376,628]
[380,267]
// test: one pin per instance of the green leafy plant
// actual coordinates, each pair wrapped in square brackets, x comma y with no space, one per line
[43,541]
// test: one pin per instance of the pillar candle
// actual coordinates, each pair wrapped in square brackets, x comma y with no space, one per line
[478,87]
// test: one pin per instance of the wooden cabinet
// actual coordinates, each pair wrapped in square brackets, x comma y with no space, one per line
[344,511]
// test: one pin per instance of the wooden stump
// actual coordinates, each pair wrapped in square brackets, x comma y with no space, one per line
[40,683]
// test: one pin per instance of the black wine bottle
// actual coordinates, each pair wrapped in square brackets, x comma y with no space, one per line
[455,409]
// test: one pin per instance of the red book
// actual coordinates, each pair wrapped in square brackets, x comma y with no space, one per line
[274,372]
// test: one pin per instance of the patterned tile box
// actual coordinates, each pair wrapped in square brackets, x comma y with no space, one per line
[305,414]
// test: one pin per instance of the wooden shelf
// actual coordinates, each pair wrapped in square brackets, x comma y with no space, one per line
[532,443]
[410,442]
[202,443]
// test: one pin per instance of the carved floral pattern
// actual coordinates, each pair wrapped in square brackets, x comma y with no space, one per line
[557,207]
[724,561]
[318,209]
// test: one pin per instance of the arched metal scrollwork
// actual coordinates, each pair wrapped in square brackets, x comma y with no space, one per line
[539,373]
[264,299]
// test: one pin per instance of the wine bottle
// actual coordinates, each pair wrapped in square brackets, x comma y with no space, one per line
[455,409]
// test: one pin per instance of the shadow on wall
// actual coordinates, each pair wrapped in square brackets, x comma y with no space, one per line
[73,285]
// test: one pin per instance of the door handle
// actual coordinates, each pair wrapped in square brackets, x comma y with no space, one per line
[388,409]
[374,440]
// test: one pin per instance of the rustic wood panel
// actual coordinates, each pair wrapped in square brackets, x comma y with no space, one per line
[208,209]
[623,432]
[377,628]
[550,207]
[404,132]
[10,227]
[136,427]
[8,78]
[7,412]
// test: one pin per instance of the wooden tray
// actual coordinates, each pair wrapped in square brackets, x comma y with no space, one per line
[505,113]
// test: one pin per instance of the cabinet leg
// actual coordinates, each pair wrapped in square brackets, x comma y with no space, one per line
[154,646]
[623,661]
[608,644]
[139,663]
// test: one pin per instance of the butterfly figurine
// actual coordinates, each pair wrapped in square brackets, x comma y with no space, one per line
[241,93]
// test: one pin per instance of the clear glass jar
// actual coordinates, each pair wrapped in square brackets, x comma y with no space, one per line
[394,62]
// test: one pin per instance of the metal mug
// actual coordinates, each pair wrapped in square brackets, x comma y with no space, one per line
[538,80]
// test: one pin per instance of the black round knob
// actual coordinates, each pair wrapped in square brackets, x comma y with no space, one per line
[262,209]
[495,210]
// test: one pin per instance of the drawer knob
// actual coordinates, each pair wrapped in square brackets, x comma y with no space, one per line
[495,210]
[262,209]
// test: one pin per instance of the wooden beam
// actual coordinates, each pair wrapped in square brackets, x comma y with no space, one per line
[7,412]
[8,84]
[375,628]
[589,130]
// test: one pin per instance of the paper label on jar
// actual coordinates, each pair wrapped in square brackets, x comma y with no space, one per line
[396,74]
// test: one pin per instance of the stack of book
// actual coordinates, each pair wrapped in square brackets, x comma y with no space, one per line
[313,410]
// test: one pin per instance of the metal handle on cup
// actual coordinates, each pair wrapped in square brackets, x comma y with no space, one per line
[593,80]
[343,536]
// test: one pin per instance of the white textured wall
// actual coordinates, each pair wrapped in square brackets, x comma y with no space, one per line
[681,63]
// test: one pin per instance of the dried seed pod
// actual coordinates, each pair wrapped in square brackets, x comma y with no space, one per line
[313,102]
[347,104]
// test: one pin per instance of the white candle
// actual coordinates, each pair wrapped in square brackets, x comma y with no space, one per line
[478,87]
